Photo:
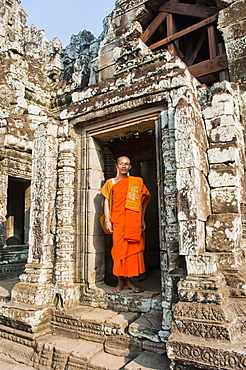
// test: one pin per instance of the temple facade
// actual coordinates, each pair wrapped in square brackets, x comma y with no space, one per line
[165,85]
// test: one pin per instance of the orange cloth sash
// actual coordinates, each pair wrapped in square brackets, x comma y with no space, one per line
[133,199]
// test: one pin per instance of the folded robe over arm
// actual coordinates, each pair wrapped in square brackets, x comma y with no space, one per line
[126,200]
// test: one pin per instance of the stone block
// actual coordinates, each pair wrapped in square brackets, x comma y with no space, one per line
[105,361]
[222,104]
[191,237]
[171,209]
[95,179]
[225,200]
[34,109]
[167,319]
[189,125]
[201,265]
[219,121]
[96,267]
[117,324]
[237,69]
[193,195]
[223,175]
[147,326]
[236,48]
[224,134]
[159,348]
[149,361]
[170,183]
[223,154]
[232,14]
[95,160]
[120,345]
[97,316]
[190,154]
[223,232]
[16,352]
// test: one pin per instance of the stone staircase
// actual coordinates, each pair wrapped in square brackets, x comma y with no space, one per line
[92,338]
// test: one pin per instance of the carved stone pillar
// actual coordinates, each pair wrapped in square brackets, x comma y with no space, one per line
[65,227]
[36,282]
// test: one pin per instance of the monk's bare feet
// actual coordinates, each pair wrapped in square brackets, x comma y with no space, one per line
[117,289]
[119,286]
[129,285]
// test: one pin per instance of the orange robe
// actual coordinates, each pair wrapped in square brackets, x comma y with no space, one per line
[128,240]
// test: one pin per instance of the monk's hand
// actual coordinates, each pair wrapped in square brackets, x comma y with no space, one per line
[109,227]
[143,226]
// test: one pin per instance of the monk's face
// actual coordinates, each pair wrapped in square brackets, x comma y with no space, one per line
[123,165]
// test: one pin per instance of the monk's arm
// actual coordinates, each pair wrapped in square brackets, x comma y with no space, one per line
[108,224]
[144,206]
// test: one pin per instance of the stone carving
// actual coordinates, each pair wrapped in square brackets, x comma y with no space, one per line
[59,108]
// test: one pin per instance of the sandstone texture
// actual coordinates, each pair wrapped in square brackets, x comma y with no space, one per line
[66,113]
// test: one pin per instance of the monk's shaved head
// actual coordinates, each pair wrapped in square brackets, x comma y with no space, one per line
[123,156]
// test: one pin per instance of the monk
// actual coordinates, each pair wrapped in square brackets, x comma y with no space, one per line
[124,205]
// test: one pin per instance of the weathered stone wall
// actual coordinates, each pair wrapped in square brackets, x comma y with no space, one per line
[50,104]
[232,23]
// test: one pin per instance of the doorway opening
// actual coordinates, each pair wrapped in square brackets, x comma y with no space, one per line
[140,147]
[18,211]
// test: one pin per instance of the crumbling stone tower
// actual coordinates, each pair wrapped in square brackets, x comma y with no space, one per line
[175,102]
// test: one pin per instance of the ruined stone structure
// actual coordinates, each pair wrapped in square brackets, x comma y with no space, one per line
[172,100]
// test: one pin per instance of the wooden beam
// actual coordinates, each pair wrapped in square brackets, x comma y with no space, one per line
[212,42]
[173,47]
[151,29]
[179,34]
[190,10]
[209,66]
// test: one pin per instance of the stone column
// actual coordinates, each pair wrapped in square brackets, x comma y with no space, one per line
[64,277]
[36,282]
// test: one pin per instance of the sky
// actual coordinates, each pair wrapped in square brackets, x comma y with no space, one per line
[62,18]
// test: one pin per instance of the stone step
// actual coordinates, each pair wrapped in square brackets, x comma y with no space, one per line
[57,352]
[7,363]
[123,334]
[149,361]
[100,326]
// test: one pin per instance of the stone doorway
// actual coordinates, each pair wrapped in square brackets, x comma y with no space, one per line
[137,135]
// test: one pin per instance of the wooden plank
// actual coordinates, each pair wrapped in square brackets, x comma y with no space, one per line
[209,66]
[212,42]
[197,48]
[190,10]
[150,30]
[179,34]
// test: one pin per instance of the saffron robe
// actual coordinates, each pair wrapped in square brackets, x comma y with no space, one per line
[126,198]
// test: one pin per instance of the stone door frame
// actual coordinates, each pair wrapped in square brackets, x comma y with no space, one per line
[90,265]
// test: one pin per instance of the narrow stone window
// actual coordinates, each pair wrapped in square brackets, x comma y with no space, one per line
[18,211]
